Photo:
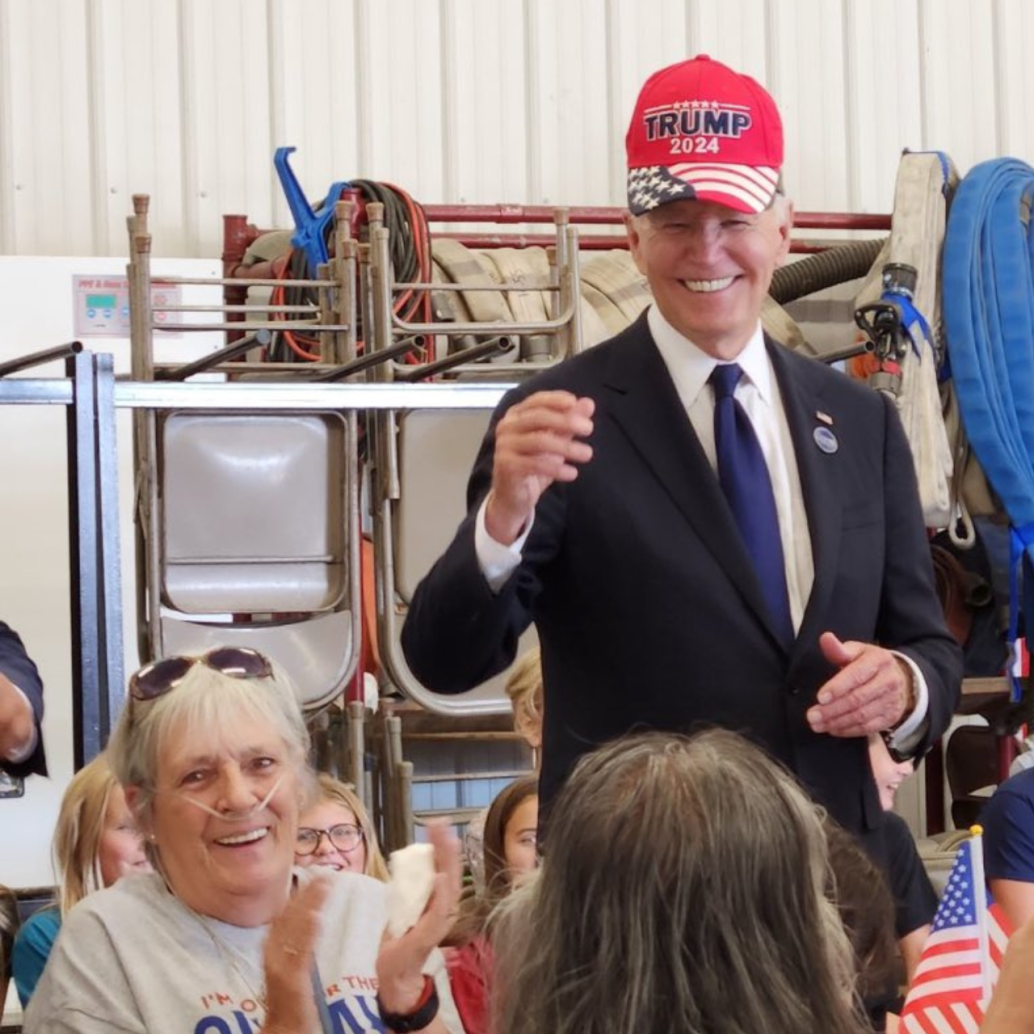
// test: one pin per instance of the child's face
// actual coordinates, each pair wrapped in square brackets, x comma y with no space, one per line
[888,773]
[519,840]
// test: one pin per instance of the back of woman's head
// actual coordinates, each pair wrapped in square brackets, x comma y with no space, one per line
[80,826]
[866,909]
[682,889]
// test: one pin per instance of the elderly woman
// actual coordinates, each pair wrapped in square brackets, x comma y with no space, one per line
[226,936]
[684,889]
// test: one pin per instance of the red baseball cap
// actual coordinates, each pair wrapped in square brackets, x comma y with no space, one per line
[702,131]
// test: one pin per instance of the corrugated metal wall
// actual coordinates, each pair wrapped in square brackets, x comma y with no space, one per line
[522,101]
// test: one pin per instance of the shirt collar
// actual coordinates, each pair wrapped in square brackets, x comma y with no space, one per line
[690,367]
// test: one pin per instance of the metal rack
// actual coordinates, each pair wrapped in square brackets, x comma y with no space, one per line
[91,395]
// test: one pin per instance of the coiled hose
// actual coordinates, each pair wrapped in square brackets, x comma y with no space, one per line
[825,269]
[410,252]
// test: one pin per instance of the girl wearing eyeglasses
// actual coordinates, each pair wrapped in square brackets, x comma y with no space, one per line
[335,830]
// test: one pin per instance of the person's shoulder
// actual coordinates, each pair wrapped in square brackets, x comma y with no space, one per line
[573,373]
[46,918]
[124,900]
[40,928]
[896,829]
[1019,785]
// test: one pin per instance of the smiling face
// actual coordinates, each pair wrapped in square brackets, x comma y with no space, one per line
[326,816]
[224,848]
[888,773]
[120,850]
[710,267]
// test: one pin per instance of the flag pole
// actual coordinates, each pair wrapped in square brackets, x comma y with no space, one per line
[976,857]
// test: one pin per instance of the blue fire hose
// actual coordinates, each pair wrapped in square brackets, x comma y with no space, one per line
[988,291]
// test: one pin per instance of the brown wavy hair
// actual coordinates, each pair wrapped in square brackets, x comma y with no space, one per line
[683,888]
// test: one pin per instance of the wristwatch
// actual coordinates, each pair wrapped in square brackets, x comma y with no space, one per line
[425,1010]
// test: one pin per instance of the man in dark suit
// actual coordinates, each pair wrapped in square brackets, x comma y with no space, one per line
[672,586]
[21,709]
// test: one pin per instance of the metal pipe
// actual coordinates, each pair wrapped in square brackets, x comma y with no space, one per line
[539,327]
[592,215]
[575,343]
[468,355]
[615,215]
[524,285]
[194,328]
[260,339]
[237,308]
[38,358]
[364,362]
[241,281]
[255,395]
[846,353]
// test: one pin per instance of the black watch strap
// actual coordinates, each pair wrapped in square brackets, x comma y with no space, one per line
[403,1023]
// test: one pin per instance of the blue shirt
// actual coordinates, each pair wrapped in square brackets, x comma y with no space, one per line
[1008,821]
[32,949]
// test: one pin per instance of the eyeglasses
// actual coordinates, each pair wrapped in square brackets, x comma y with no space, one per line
[345,837]
[157,678]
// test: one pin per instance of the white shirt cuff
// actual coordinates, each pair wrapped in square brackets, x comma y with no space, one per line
[497,561]
[908,734]
[24,752]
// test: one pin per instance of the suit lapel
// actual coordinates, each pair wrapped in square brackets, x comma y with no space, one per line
[820,481]
[643,402]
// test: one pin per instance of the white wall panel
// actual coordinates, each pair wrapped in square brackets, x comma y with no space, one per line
[1014,29]
[806,77]
[523,101]
[959,87]
[485,102]
[883,72]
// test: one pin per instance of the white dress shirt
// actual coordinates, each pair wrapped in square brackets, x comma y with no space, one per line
[758,393]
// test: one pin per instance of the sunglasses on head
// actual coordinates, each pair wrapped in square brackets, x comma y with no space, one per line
[157,678]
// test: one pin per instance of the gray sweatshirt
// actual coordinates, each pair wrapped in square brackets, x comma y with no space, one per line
[134,958]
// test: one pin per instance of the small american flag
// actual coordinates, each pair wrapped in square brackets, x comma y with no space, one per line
[959,965]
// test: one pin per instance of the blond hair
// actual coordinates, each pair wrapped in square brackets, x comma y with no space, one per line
[333,791]
[80,826]
[683,888]
[524,688]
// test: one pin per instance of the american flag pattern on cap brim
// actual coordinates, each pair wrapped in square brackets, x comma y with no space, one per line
[747,188]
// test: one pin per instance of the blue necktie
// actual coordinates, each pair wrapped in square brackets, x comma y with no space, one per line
[744,478]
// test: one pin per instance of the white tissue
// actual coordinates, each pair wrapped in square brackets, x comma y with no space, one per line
[412,880]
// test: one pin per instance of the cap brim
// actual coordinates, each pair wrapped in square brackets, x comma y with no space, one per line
[745,188]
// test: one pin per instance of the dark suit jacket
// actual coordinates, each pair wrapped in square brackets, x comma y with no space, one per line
[16,664]
[646,603]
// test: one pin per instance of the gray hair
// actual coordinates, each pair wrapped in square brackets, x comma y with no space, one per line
[683,889]
[205,702]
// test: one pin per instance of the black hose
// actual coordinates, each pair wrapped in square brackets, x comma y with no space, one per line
[826,269]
